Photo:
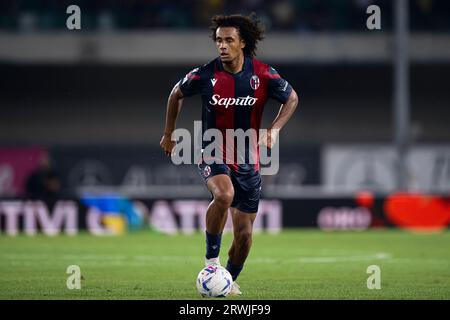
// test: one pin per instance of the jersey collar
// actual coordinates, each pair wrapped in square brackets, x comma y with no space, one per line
[247,64]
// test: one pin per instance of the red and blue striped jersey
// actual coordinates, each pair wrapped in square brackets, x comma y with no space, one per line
[235,101]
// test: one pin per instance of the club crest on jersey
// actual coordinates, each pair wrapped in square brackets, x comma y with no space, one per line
[254,82]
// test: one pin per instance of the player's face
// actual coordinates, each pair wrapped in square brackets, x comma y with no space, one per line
[229,44]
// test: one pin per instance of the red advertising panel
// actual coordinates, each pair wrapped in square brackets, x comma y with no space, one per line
[16,164]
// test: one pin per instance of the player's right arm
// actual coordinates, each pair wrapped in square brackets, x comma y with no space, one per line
[186,87]
[174,104]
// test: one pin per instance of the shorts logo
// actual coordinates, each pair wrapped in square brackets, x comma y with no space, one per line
[254,82]
[206,171]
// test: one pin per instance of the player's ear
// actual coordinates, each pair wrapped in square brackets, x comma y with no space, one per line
[242,43]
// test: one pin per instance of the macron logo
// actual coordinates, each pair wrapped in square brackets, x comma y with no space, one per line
[213,81]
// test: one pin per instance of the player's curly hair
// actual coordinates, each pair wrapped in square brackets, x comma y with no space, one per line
[249,28]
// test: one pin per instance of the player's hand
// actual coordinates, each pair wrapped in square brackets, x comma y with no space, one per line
[167,144]
[269,138]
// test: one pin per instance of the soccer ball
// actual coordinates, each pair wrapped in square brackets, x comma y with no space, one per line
[214,282]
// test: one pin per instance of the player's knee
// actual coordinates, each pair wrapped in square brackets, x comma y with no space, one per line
[244,236]
[224,198]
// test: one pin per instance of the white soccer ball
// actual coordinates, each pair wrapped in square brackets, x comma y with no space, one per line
[214,282]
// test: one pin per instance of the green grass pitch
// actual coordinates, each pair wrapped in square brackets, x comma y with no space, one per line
[295,264]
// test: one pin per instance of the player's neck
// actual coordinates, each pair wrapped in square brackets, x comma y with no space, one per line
[234,66]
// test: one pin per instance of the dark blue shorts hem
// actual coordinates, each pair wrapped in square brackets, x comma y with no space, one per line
[247,185]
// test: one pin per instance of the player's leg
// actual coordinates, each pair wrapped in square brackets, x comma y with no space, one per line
[222,191]
[247,188]
[242,241]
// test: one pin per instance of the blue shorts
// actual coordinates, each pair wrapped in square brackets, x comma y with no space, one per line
[246,184]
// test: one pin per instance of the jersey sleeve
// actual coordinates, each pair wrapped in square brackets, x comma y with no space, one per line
[279,89]
[190,84]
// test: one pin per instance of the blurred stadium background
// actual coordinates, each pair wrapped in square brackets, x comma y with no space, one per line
[93,101]
[82,114]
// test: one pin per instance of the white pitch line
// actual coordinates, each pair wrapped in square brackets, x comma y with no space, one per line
[329,259]
[121,259]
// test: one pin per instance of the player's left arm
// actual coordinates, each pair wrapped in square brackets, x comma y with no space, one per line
[280,90]
[286,111]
